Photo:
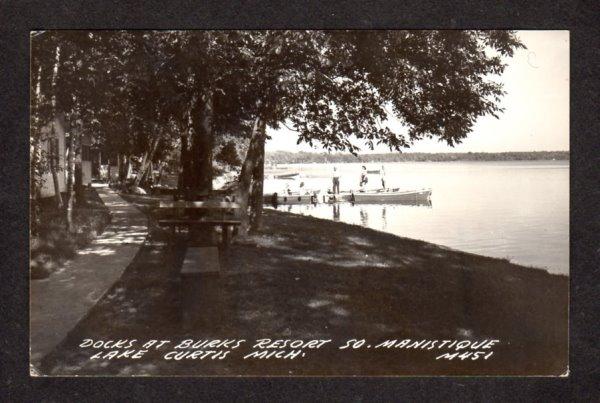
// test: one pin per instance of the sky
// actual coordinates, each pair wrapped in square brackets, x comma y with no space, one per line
[536,106]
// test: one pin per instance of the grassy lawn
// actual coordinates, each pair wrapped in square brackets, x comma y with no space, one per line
[54,245]
[307,278]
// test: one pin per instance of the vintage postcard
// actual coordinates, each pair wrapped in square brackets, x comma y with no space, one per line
[299,203]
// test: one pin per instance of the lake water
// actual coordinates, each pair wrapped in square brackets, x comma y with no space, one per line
[516,209]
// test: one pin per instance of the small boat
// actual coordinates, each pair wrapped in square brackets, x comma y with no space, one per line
[381,196]
[292,198]
[287,176]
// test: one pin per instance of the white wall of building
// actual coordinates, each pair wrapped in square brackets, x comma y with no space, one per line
[47,188]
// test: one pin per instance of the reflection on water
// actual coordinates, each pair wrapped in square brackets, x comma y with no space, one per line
[364,217]
[515,210]
[336,211]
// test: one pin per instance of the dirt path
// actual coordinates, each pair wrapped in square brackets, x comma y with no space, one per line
[59,302]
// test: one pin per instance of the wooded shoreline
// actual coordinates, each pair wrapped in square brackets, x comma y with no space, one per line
[286,157]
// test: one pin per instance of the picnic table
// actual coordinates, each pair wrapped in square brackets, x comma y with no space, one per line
[206,213]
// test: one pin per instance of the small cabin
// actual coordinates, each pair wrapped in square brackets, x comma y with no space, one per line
[56,145]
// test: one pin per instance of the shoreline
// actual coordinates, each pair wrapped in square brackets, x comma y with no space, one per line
[419,161]
[307,278]
[552,271]
[280,157]
[275,167]
[448,248]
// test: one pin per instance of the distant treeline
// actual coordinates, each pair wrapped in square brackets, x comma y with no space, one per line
[286,157]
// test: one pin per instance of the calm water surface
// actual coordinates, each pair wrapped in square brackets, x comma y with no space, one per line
[515,210]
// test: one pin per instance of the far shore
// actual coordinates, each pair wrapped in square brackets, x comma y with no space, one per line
[307,278]
[302,157]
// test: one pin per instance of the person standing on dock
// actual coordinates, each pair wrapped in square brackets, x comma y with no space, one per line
[336,181]
[363,178]
[382,176]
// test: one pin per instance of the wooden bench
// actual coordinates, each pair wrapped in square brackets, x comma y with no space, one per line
[201,260]
[204,204]
[199,213]
[190,222]
[202,299]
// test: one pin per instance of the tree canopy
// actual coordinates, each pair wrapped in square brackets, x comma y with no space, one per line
[143,94]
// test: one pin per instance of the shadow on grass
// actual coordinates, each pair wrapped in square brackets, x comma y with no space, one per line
[53,245]
[306,278]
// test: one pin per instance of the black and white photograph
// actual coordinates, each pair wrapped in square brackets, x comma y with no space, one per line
[299,203]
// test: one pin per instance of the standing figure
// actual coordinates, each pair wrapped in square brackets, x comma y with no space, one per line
[363,178]
[382,176]
[336,181]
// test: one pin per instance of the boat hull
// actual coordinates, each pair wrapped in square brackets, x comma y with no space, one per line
[416,197]
[286,176]
[276,199]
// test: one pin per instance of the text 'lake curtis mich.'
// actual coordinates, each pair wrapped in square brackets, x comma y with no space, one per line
[287,349]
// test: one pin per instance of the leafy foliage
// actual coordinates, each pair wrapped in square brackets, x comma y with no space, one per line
[330,86]
[228,155]
[145,94]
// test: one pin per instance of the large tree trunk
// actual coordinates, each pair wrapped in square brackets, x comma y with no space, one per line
[36,170]
[79,197]
[183,181]
[70,179]
[123,169]
[35,182]
[141,169]
[202,145]
[54,161]
[71,146]
[35,166]
[149,175]
[54,154]
[70,163]
[146,162]
[247,172]
[161,168]
[128,170]
[99,165]
[119,166]
[258,179]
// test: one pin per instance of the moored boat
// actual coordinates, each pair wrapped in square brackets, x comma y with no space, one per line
[381,196]
[287,176]
[291,198]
